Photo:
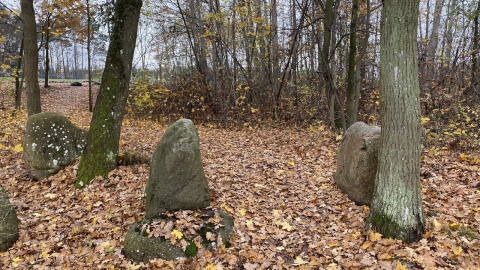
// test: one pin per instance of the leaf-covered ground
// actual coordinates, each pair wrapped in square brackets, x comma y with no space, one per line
[275,181]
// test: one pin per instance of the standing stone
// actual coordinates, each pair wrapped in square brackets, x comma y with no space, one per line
[177,179]
[51,142]
[8,222]
[357,162]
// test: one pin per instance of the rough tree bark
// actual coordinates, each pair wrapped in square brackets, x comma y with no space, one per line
[396,210]
[100,154]
[47,51]
[353,93]
[476,38]
[89,59]
[448,37]
[433,40]
[337,116]
[30,57]
[18,86]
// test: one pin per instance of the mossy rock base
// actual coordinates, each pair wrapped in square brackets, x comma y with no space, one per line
[8,222]
[141,246]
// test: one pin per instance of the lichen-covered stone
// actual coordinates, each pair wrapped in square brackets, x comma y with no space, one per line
[51,142]
[141,245]
[357,162]
[177,179]
[8,222]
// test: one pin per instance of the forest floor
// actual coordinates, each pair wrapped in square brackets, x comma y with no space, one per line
[276,182]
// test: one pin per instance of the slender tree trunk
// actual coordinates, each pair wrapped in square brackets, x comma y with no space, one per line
[476,39]
[292,55]
[427,20]
[433,42]
[234,50]
[362,61]
[47,52]
[396,209]
[89,64]
[449,33]
[18,85]
[31,57]
[101,150]
[274,56]
[337,116]
[295,53]
[75,60]
[353,93]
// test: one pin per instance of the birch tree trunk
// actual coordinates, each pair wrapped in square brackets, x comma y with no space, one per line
[101,150]
[396,210]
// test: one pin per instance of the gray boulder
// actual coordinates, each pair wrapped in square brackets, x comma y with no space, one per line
[8,222]
[141,245]
[177,179]
[357,162]
[51,142]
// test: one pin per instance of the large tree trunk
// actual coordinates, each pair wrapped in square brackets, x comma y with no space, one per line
[31,57]
[100,154]
[396,209]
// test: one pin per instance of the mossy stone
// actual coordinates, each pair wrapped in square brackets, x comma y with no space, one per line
[8,222]
[51,142]
[177,179]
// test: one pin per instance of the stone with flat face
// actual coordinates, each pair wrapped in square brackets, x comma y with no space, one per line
[177,179]
[357,162]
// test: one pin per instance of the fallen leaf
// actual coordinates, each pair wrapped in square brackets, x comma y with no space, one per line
[299,261]
[177,234]
[51,196]
[18,148]
[374,236]
[400,266]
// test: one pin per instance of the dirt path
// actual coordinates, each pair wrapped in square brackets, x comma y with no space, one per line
[71,101]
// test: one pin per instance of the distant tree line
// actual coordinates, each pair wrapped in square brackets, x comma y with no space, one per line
[290,60]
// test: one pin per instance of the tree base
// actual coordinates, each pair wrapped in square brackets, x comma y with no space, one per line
[391,229]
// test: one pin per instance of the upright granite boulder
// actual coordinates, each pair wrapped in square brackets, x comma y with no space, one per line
[177,224]
[8,222]
[357,162]
[51,142]
[177,179]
